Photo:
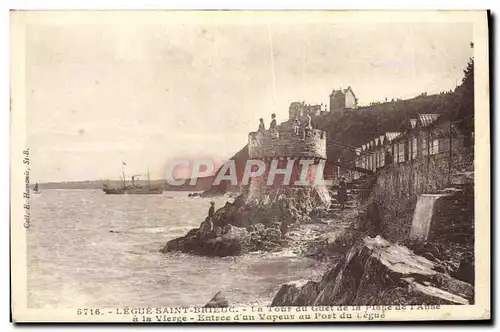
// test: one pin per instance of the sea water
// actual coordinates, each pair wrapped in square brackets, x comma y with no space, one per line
[88,249]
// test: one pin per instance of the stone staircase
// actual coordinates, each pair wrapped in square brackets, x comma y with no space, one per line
[352,202]
[358,190]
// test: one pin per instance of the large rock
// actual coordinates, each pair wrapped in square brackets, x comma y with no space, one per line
[235,241]
[232,241]
[243,226]
[218,301]
[296,293]
[377,272]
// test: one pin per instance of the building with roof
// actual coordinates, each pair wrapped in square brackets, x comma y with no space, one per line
[427,153]
[300,109]
[343,99]
[420,137]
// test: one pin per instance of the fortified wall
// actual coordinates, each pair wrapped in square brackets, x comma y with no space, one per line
[269,144]
[286,148]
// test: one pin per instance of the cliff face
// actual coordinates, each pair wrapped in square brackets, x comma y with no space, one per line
[240,159]
[376,272]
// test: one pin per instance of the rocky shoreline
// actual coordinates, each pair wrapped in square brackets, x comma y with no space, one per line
[366,269]
[376,272]
[243,226]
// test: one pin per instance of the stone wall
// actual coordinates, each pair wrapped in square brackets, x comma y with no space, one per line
[398,186]
[287,144]
[258,187]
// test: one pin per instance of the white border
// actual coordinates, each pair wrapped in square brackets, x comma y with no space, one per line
[127,4]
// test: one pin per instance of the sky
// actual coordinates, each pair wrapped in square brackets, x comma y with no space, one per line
[146,93]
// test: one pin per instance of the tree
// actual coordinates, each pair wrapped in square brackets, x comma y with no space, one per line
[465,112]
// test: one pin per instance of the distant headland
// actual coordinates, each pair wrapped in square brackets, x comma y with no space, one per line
[201,185]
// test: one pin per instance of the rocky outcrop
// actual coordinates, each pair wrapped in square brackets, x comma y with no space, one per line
[376,272]
[296,293]
[218,301]
[240,159]
[243,226]
[233,241]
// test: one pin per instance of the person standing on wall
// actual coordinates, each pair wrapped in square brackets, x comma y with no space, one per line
[307,124]
[262,127]
[273,125]
[296,126]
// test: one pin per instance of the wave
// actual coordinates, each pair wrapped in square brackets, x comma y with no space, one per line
[179,229]
[149,230]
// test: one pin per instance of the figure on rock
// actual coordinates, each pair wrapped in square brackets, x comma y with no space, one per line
[208,224]
[211,210]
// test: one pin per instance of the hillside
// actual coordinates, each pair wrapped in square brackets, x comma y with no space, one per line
[356,127]
[240,159]
[360,126]
[351,128]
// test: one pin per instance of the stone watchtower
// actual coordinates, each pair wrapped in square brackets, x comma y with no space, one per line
[295,151]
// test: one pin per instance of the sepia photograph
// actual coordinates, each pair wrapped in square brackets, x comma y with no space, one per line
[249,166]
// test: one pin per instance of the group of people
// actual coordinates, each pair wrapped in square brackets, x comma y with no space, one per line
[273,126]
[307,125]
[297,124]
